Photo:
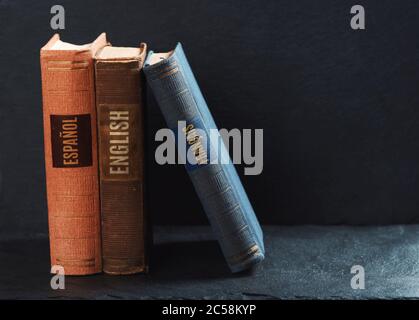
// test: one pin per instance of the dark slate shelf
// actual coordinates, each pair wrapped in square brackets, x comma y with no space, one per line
[309,262]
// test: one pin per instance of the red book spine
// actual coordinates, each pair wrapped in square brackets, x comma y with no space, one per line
[71,163]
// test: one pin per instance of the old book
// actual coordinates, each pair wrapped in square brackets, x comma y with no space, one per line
[71,154]
[120,109]
[215,179]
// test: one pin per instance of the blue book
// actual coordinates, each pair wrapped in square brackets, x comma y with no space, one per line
[210,169]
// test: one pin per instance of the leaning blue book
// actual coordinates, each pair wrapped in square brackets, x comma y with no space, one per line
[206,158]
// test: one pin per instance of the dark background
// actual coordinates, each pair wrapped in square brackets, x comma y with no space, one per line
[339,108]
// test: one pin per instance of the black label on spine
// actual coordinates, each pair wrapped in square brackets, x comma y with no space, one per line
[71,138]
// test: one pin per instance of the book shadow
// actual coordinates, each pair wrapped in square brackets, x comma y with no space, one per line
[188,260]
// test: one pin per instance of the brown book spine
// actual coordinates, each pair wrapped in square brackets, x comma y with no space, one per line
[120,108]
[71,157]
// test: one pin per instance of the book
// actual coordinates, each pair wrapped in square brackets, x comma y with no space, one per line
[70,143]
[216,182]
[120,108]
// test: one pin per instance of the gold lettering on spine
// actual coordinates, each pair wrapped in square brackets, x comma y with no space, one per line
[69,136]
[196,145]
[119,142]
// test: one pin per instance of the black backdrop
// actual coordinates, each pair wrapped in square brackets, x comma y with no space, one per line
[339,108]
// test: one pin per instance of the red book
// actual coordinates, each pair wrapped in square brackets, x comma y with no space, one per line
[71,154]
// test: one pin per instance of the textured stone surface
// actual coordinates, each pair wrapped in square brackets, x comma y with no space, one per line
[302,262]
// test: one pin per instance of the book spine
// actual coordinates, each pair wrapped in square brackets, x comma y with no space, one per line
[69,119]
[216,183]
[120,107]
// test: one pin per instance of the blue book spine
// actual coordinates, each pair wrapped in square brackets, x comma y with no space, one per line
[216,181]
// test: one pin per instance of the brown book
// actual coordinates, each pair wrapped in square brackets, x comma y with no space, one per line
[71,154]
[120,108]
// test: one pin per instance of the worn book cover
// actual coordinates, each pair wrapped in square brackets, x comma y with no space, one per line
[72,183]
[215,180]
[120,108]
